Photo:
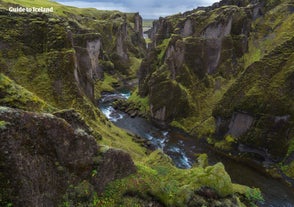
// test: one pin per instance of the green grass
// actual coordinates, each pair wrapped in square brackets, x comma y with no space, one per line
[162,47]
[135,65]
[157,177]
[15,96]
[200,121]
[268,32]
[105,85]
[148,22]
[142,103]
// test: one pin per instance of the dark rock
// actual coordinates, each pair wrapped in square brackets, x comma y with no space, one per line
[41,155]
[144,143]
[87,47]
[115,164]
[74,119]
[240,124]
[133,114]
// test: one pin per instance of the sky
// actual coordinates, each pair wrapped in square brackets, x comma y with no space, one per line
[148,9]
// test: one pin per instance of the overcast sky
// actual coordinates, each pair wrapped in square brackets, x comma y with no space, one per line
[149,9]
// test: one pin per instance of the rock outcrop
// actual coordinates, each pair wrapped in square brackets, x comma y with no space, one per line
[268,122]
[230,68]
[42,155]
[72,57]
[186,49]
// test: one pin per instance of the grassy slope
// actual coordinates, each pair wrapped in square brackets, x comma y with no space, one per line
[262,87]
[34,73]
[267,33]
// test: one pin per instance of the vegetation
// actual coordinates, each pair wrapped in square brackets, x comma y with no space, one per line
[105,85]
[42,73]
[141,103]
[147,22]
[226,62]
[168,185]
[15,96]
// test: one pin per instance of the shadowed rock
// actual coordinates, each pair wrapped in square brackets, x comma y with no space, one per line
[42,155]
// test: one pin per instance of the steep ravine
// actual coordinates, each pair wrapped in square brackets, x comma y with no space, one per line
[57,148]
[182,148]
[225,73]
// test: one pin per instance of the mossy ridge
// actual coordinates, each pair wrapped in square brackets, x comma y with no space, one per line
[50,64]
[270,69]
[202,19]
[278,27]
[106,23]
[18,97]
[266,99]
[269,31]
[141,103]
[196,89]
[15,96]
[157,179]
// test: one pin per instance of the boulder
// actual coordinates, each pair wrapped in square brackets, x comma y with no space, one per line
[116,164]
[41,155]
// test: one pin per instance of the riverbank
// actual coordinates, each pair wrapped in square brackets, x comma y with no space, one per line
[182,149]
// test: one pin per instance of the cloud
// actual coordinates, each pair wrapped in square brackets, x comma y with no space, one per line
[149,9]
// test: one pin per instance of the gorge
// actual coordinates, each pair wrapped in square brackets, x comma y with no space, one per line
[210,90]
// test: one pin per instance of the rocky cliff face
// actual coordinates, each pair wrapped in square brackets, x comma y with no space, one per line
[46,160]
[50,126]
[68,52]
[231,63]
[41,155]
[188,48]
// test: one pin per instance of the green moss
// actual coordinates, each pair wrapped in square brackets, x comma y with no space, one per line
[269,31]
[135,65]
[291,147]
[289,169]
[162,47]
[200,121]
[104,85]
[254,195]
[202,160]
[223,145]
[3,125]
[157,177]
[13,95]
[141,103]
[230,139]
[148,40]
[263,91]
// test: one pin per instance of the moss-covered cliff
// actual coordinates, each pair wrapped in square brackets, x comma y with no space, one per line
[57,149]
[231,68]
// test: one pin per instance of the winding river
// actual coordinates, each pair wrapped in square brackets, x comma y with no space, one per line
[182,149]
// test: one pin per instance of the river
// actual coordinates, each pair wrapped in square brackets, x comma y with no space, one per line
[182,149]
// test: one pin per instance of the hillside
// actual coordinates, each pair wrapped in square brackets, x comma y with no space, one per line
[224,73]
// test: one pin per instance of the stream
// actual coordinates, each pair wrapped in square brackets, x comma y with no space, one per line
[182,149]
